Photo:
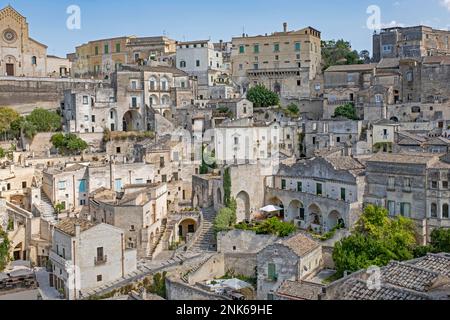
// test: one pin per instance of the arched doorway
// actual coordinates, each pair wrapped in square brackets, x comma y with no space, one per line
[295,211]
[186,228]
[18,252]
[334,219]
[277,88]
[10,66]
[132,121]
[243,206]
[315,215]
[395,119]
[219,196]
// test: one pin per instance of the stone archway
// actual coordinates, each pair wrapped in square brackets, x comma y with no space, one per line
[186,227]
[334,219]
[219,196]
[132,121]
[295,211]
[243,206]
[315,215]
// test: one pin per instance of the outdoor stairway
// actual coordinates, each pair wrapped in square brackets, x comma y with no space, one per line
[159,237]
[48,212]
[185,277]
[206,241]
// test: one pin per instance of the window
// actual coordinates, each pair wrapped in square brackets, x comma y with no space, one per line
[272,272]
[118,185]
[444,184]
[283,184]
[236,141]
[161,162]
[407,184]
[96,51]
[106,49]
[85,100]
[118,150]
[299,187]
[256,48]
[433,210]
[255,66]
[82,186]
[445,212]
[434,184]
[152,84]
[164,178]
[182,64]
[409,76]
[391,183]
[405,209]
[197,63]
[299,83]
[298,46]
[241,49]
[270,297]
[343,194]
[93,118]
[62,185]
[82,202]
[99,278]
[319,190]
[117,47]
[134,102]
[391,208]
[276,47]
[33,60]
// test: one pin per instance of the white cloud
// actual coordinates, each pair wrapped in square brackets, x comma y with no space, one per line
[446,4]
[396,4]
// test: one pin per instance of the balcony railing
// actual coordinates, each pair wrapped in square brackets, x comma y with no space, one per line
[98,261]
[135,106]
[57,258]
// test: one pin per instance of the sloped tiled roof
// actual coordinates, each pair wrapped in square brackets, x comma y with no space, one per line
[68,225]
[299,290]
[435,262]
[409,276]
[300,244]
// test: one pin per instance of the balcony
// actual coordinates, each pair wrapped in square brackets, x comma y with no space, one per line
[99,261]
[57,258]
[135,106]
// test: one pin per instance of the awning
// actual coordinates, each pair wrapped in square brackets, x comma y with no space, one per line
[271,209]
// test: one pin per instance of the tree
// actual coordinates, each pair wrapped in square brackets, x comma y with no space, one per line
[376,240]
[440,240]
[2,153]
[44,120]
[339,53]
[5,245]
[7,116]
[224,220]
[347,111]
[365,56]
[227,187]
[68,144]
[293,109]
[262,97]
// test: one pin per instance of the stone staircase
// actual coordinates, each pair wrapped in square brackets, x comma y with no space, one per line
[159,237]
[46,208]
[206,241]
[185,276]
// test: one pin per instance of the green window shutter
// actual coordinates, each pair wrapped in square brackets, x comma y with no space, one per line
[299,187]
[298,46]
[283,184]
[256,48]
[343,194]
[241,49]
[272,270]
[117,47]
[319,189]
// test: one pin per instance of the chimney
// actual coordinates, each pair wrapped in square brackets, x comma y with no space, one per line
[285,27]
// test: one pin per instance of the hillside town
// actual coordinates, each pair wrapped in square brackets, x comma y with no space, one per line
[279,166]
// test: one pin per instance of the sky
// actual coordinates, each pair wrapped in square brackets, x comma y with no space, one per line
[219,20]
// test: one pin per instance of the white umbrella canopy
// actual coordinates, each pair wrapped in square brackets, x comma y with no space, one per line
[270,209]
[236,284]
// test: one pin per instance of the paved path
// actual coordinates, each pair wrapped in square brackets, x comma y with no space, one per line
[47,292]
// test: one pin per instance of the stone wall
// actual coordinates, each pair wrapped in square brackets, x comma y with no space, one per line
[25,94]
[242,242]
[177,290]
[240,263]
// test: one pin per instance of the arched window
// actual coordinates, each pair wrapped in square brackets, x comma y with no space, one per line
[434,210]
[164,84]
[152,83]
[165,100]
[445,212]
[182,64]
[33,60]
[154,100]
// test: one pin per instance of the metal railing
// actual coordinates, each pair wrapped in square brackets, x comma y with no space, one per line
[98,261]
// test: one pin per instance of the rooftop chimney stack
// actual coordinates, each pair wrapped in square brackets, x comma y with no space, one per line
[285,27]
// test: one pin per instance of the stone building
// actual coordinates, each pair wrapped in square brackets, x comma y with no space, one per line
[324,134]
[411,185]
[100,58]
[236,108]
[410,42]
[294,258]
[319,193]
[139,210]
[20,55]
[72,184]
[85,256]
[200,59]
[286,62]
